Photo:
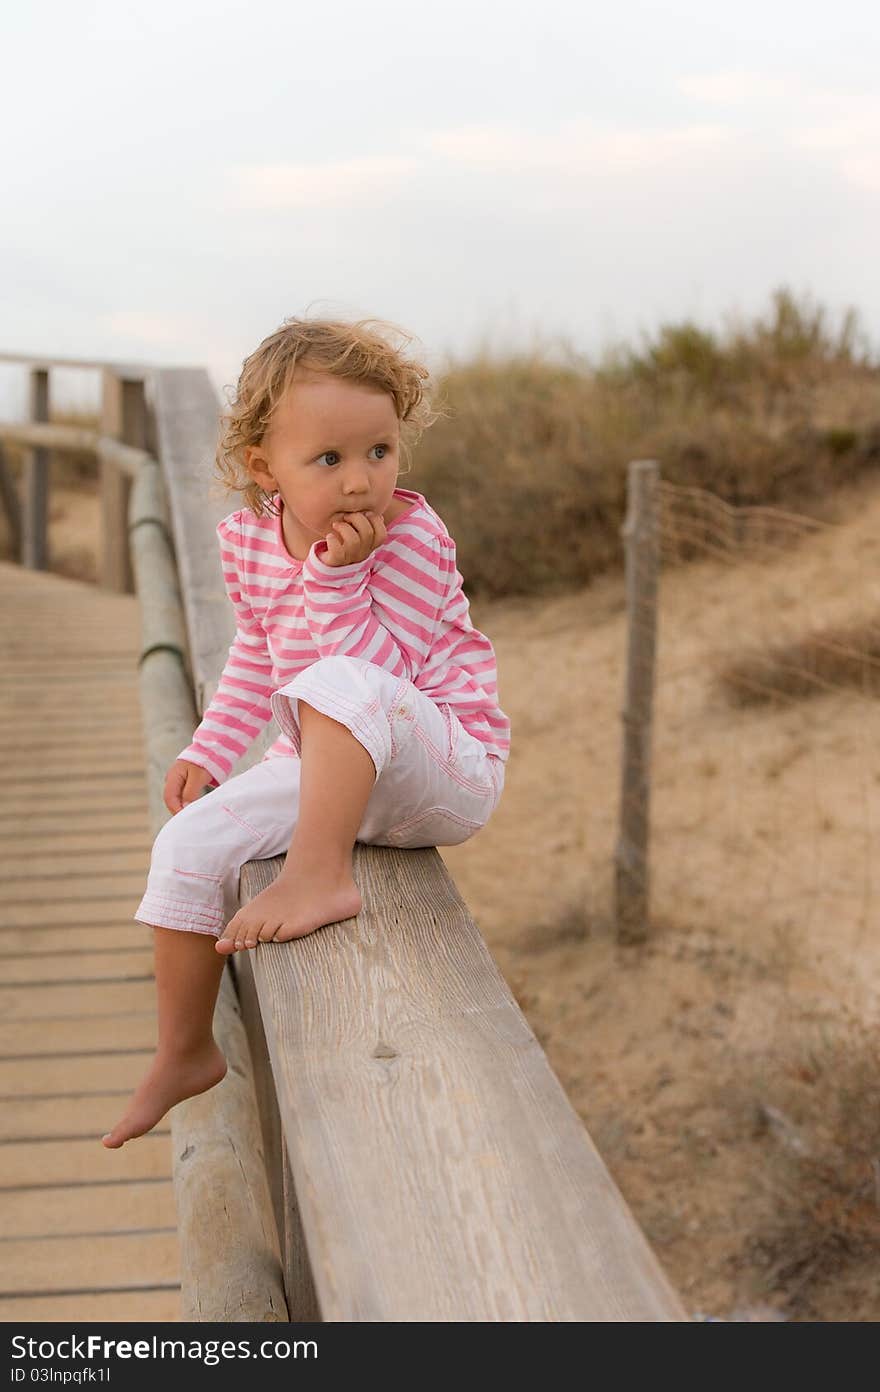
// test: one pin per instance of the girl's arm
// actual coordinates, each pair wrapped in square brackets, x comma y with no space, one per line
[385,609]
[240,708]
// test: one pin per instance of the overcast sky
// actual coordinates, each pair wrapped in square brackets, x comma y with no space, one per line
[177,178]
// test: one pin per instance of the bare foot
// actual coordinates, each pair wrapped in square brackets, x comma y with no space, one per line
[293,905]
[171,1078]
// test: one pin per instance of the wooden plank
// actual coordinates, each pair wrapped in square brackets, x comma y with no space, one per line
[81,1263]
[438,1162]
[187,414]
[75,889]
[41,700]
[112,1034]
[43,821]
[45,1164]
[161,1305]
[83,999]
[127,964]
[73,1113]
[78,662]
[81,906]
[88,1209]
[89,364]
[115,860]
[28,844]
[45,942]
[114,911]
[76,1073]
[84,727]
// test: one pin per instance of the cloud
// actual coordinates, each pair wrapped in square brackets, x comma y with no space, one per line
[840,125]
[737,87]
[148,327]
[338,182]
[579,147]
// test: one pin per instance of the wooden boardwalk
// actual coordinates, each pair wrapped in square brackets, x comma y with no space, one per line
[85,1233]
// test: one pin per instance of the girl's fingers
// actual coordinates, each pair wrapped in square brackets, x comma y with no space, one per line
[369,526]
[355,536]
[361,525]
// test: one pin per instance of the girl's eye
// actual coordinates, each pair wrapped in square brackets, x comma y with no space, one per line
[383,448]
[328,454]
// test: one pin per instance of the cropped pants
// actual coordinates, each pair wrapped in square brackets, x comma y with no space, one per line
[435,786]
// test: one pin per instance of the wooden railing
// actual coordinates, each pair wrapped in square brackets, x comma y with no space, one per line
[390,1143]
[125,419]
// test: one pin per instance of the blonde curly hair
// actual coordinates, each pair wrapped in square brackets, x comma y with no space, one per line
[359,351]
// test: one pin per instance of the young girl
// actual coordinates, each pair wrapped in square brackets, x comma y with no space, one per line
[353,631]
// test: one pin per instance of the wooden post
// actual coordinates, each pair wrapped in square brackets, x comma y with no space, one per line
[124,417]
[11,503]
[299,1285]
[640,532]
[34,550]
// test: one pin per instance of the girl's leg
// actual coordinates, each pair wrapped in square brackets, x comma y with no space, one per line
[191,892]
[316,886]
[187,1060]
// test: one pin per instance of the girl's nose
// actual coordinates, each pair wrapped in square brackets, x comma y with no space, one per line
[356,482]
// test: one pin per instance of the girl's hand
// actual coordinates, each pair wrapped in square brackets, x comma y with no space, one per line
[184,782]
[354,538]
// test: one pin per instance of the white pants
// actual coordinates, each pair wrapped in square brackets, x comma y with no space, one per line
[435,786]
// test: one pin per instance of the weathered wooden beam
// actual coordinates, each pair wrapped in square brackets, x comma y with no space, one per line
[44,361]
[124,418]
[71,437]
[55,437]
[640,532]
[230,1258]
[441,1171]
[187,413]
[34,541]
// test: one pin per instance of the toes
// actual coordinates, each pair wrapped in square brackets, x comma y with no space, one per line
[268,931]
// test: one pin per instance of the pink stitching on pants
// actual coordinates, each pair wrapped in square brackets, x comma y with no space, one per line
[197,875]
[449,768]
[181,906]
[402,827]
[241,821]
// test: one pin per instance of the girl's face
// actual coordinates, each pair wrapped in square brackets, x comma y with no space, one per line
[332,447]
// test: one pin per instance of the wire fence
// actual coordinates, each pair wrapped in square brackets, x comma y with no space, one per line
[764,783]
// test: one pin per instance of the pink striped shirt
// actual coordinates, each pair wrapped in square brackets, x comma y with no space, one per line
[403,608]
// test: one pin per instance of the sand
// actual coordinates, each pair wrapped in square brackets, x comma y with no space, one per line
[726,1068]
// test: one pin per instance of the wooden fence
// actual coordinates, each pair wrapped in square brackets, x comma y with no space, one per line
[390,1143]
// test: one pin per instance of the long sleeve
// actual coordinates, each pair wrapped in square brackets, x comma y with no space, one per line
[240,707]
[387,610]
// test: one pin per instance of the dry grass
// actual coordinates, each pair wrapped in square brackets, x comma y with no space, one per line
[529,469]
[820,1102]
[829,660]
